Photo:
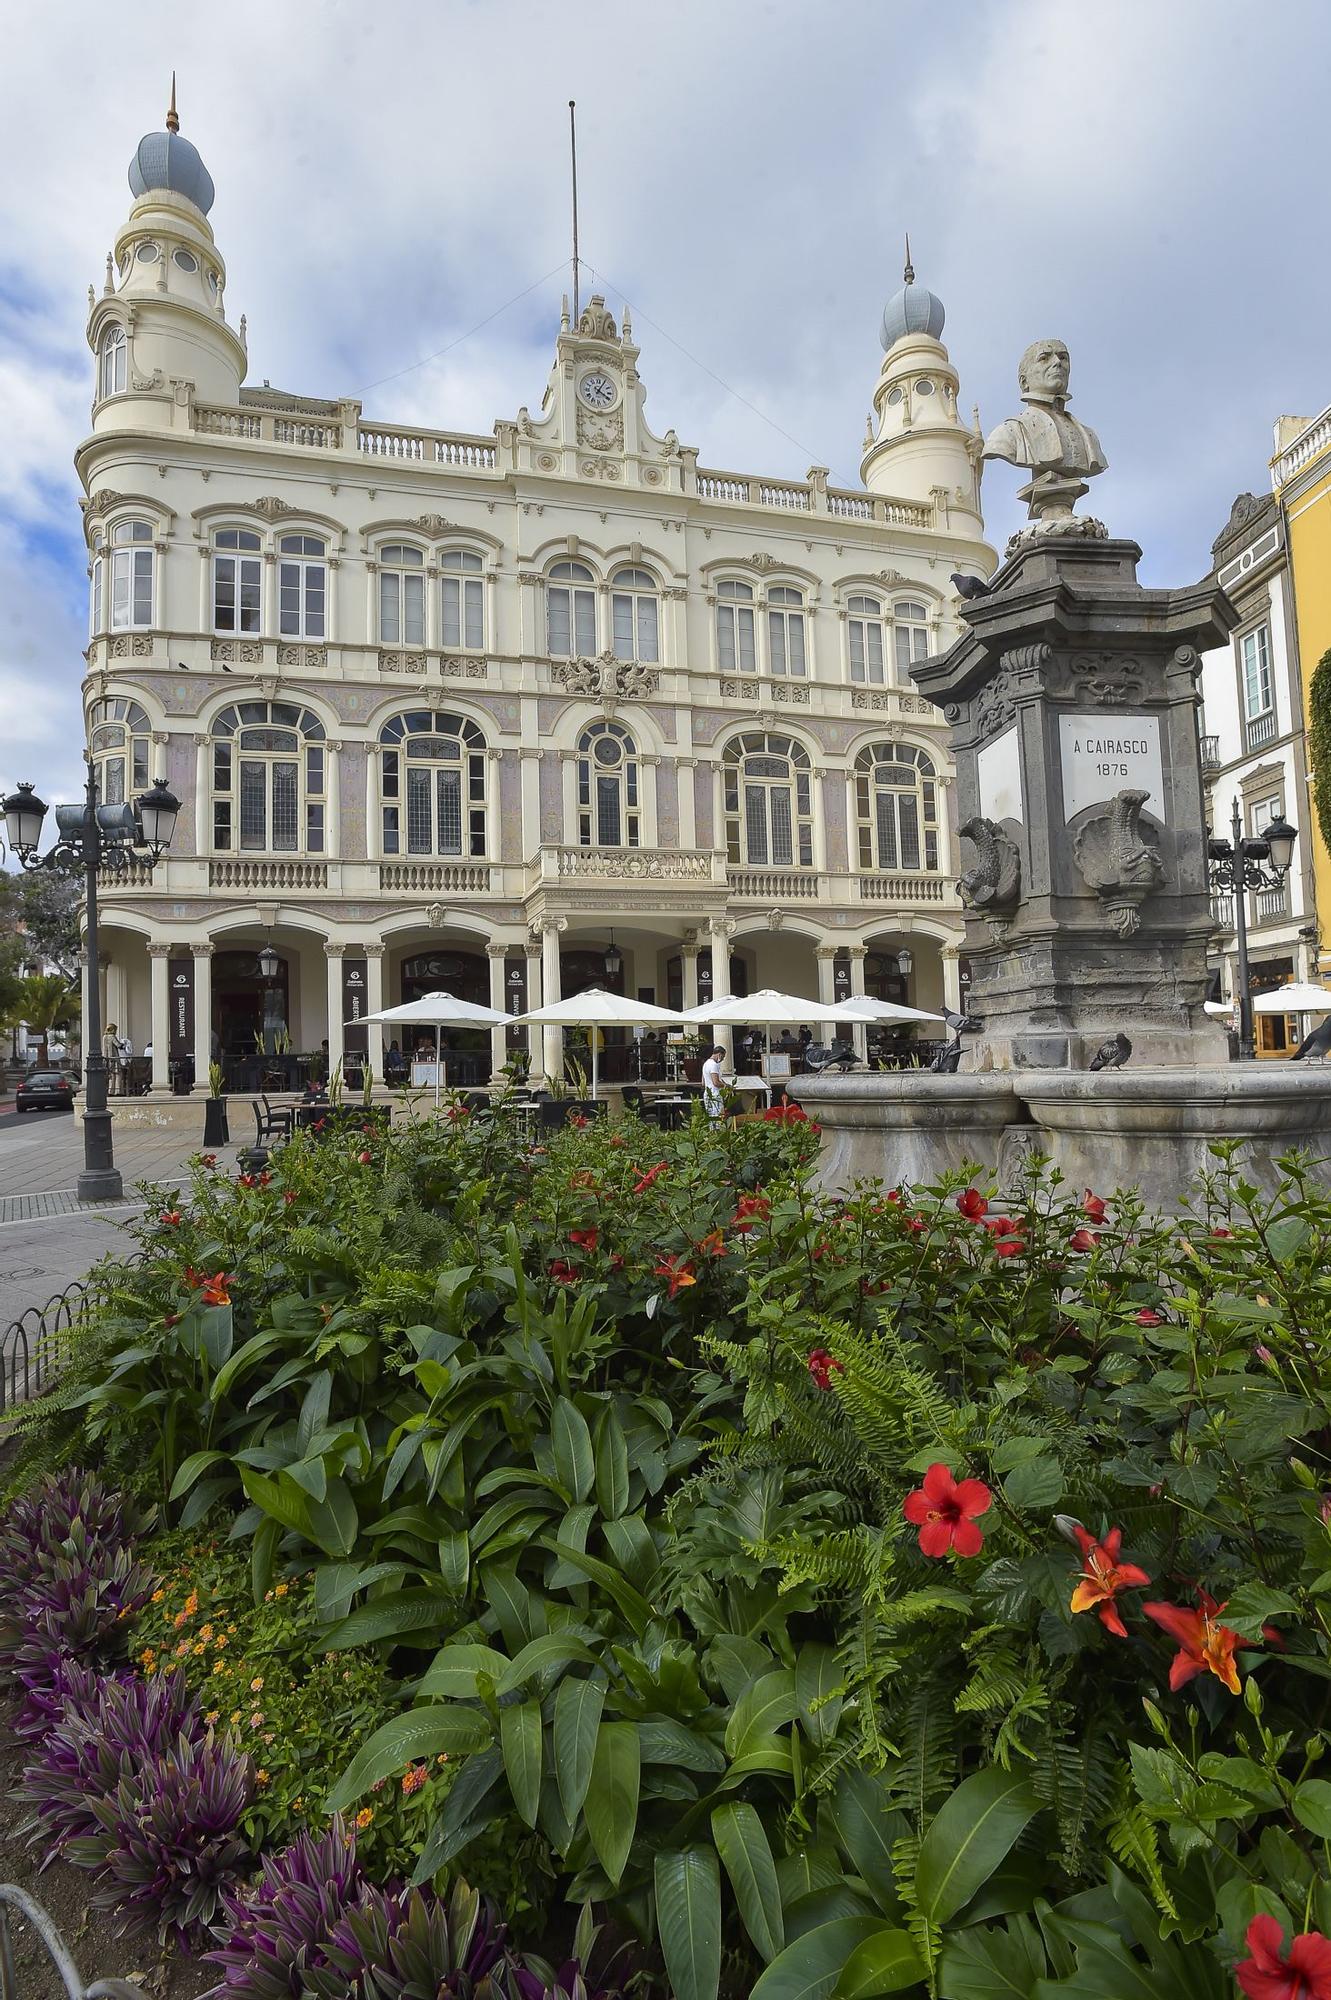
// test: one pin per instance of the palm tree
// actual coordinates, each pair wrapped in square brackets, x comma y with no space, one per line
[46,1000]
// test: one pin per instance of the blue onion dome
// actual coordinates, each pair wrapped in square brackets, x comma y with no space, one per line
[165,160]
[914,309]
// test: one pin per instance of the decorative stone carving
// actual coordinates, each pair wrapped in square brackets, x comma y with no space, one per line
[463,670]
[601,433]
[635,864]
[433,524]
[793,691]
[596,322]
[1060,451]
[436,916]
[302,656]
[869,698]
[271,507]
[103,502]
[132,646]
[994,881]
[245,652]
[1118,862]
[606,677]
[401,663]
[740,690]
[761,561]
[598,468]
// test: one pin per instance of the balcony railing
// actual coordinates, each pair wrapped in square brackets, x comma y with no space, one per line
[1211,758]
[1272,904]
[468,454]
[1261,729]
[1222,910]
[267,874]
[907,889]
[454,878]
[1307,446]
[776,885]
[668,866]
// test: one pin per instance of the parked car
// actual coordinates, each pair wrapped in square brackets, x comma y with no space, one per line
[45,1090]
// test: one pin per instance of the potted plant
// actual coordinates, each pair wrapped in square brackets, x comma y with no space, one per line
[215,1128]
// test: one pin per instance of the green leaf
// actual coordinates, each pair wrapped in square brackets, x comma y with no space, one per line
[809,1968]
[1311,1806]
[818,1701]
[421,1732]
[454,1560]
[577,1718]
[688,1920]
[887,1962]
[630,1601]
[992,1964]
[1038,1482]
[280,1499]
[252,1351]
[971,1833]
[572,1444]
[612,1465]
[539,1656]
[334,1523]
[611,1806]
[389,1618]
[197,1462]
[864,1820]
[1252,1605]
[520,1741]
[746,1855]
[460,1821]
[763,1708]
[454,1669]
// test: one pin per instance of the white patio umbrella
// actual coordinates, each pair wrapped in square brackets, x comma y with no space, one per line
[863,1009]
[437,1011]
[598,1009]
[764,1009]
[1299,998]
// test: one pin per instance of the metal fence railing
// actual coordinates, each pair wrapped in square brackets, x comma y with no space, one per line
[30,1914]
[33,1346]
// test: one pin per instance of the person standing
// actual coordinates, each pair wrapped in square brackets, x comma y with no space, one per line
[111,1057]
[714,1084]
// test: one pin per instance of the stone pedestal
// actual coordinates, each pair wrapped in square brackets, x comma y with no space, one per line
[907,1125]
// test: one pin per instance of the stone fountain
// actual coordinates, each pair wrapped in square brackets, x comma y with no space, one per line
[1072,701]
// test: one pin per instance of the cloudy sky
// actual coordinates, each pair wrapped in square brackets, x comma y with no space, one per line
[1144,177]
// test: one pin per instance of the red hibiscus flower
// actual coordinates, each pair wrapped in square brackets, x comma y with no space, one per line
[972,1204]
[822,1365]
[458,1111]
[644,1181]
[1222,1232]
[1002,1225]
[363,1159]
[578,1122]
[215,1292]
[1010,1246]
[1083,1239]
[1148,1318]
[1103,1576]
[207,1159]
[586,1239]
[171,1217]
[749,1211]
[193,1278]
[678,1270]
[563,1272]
[945,1511]
[1093,1207]
[1205,1646]
[1304,1975]
[290,1196]
[785,1114]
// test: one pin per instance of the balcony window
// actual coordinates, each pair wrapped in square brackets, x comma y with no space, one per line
[302,581]
[785,631]
[608,787]
[237,581]
[633,611]
[571,612]
[1258,687]
[119,738]
[131,576]
[432,785]
[401,596]
[736,647]
[269,781]
[896,804]
[768,800]
[910,631]
[97,586]
[463,601]
[864,628]
[111,363]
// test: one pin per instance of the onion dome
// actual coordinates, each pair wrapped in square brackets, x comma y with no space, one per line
[165,160]
[912,310]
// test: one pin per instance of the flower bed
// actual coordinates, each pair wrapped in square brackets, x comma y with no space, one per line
[897,1594]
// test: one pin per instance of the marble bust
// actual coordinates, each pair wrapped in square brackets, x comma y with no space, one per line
[1061,452]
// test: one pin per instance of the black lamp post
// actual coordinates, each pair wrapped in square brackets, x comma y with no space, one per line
[1240,864]
[614,961]
[93,837]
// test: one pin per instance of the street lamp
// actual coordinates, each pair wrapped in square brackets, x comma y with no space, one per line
[268,961]
[93,837]
[614,960]
[1240,864]
[905,961]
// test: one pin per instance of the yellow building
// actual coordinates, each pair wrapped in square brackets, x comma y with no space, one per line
[1301,477]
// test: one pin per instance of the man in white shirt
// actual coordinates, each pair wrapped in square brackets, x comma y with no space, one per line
[713,1084]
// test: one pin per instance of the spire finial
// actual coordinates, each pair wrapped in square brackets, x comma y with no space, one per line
[908,276]
[173,116]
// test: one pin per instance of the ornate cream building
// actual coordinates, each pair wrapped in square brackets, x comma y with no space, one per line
[464,710]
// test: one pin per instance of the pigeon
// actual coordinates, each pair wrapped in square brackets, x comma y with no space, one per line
[968,586]
[948,1060]
[962,1024]
[223,665]
[1316,1043]
[1112,1055]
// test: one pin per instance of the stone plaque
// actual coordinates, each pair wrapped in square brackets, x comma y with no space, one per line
[1105,754]
[998,769]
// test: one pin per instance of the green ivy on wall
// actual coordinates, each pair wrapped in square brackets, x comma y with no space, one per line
[1319,743]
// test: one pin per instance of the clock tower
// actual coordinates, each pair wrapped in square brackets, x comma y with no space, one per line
[591,423]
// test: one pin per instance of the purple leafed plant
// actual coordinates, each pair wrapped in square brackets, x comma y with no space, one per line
[105,1729]
[278,1925]
[411,1945]
[71,1611]
[68,1507]
[167,1845]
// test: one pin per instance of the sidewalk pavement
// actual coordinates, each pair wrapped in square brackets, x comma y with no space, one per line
[46,1239]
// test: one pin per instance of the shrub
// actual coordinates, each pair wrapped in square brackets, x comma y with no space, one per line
[106,1729]
[64,1514]
[277,1926]
[73,1609]
[412,1946]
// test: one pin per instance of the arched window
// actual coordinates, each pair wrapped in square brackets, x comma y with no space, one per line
[237,581]
[119,738]
[269,779]
[633,610]
[97,585]
[131,576]
[608,791]
[432,779]
[462,600]
[864,625]
[735,648]
[768,802]
[111,358]
[571,611]
[896,803]
[785,630]
[910,625]
[401,595]
[302,582]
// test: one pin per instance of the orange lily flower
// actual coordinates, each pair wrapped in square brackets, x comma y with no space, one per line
[1205,1646]
[1103,1577]
[678,1270]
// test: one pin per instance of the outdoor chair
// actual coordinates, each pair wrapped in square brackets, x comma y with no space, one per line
[270,1124]
[633,1097]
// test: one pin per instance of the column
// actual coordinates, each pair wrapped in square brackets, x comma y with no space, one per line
[688,955]
[551,930]
[860,1032]
[158,954]
[374,1001]
[202,954]
[203,831]
[535,1041]
[498,957]
[951,957]
[336,1044]
[825,954]
[719,930]
[332,802]
[116,1006]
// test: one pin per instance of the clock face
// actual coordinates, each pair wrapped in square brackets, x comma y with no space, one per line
[597,391]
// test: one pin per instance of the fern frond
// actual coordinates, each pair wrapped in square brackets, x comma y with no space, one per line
[1132,1840]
